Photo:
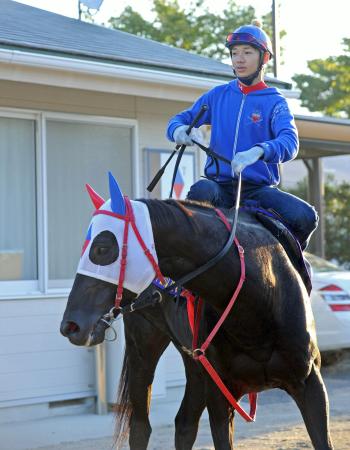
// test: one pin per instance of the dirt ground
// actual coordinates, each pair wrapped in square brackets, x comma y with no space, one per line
[288,438]
[279,425]
[296,438]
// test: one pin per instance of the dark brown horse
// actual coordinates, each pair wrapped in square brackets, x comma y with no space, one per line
[267,341]
[147,334]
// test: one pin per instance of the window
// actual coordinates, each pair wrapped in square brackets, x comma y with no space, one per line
[79,153]
[18,225]
[45,161]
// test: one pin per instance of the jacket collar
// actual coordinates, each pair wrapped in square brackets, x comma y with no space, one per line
[256,87]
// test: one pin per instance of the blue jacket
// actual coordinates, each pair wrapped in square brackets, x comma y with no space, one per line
[240,121]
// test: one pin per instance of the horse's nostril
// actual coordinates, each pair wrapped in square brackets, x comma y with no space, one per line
[70,328]
[73,327]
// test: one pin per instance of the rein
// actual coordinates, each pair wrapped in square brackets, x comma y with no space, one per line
[206,266]
[146,299]
[198,353]
[215,157]
[182,148]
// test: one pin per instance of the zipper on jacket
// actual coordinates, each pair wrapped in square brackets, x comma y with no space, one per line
[237,126]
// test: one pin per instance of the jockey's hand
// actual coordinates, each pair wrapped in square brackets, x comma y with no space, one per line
[246,158]
[182,138]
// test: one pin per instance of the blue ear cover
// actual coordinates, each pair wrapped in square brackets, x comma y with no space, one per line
[117,199]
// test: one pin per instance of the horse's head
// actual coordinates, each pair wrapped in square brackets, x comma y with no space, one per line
[112,259]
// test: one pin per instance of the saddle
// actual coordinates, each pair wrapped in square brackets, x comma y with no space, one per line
[273,222]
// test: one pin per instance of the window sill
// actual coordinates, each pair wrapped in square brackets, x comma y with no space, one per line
[35,295]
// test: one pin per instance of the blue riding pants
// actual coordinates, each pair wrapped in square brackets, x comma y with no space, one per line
[298,215]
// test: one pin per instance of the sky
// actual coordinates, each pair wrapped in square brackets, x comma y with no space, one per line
[315,28]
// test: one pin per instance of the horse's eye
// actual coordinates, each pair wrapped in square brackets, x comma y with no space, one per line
[104,249]
[100,251]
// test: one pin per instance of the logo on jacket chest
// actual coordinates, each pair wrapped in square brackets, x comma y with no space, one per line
[255,117]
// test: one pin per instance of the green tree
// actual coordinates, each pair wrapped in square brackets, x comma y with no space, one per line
[194,28]
[87,14]
[328,89]
[337,217]
[337,220]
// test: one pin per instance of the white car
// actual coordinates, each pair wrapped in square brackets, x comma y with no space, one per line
[330,299]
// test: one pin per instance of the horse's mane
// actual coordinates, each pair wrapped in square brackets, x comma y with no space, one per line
[166,212]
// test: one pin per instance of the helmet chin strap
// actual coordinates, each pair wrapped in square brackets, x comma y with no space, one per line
[248,81]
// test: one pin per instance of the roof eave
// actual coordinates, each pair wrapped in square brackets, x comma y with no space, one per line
[126,62]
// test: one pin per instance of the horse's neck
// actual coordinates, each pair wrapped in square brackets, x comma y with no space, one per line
[178,236]
[184,243]
[272,293]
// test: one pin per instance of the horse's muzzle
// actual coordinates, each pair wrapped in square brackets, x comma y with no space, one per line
[93,335]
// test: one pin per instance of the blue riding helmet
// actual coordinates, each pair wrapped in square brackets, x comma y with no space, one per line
[250,35]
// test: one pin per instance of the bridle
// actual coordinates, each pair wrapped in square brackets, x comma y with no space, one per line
[129,220]
[146,299]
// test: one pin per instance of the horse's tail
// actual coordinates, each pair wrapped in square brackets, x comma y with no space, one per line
[123,408]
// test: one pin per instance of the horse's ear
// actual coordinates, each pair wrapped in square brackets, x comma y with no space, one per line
[96,199]
[117,199]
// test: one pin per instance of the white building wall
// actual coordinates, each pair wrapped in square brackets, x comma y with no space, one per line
[38,367]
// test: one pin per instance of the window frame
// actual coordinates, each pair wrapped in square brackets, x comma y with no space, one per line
[40,287]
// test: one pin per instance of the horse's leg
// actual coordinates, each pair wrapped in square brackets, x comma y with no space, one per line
[312,400]
[221,418]
[192,406]
[145,344]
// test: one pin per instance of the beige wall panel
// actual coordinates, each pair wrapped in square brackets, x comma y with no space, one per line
[323,131]
[153,116]
[160,106]
[47,98]
[152,123]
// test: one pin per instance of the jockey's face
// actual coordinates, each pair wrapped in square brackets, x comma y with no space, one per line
[245,59]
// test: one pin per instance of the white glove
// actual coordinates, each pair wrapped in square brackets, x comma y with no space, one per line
[244,159]
[182,138]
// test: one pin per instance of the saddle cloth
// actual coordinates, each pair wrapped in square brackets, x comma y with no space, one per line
[274,223]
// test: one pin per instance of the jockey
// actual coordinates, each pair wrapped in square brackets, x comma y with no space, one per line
[252,126]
